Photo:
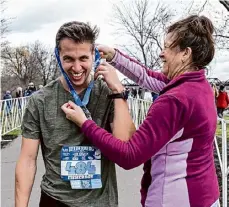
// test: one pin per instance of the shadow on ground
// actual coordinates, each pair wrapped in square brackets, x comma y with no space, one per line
[7,140]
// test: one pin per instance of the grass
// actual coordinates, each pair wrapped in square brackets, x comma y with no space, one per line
[6,139]
[15,132]
[219,128]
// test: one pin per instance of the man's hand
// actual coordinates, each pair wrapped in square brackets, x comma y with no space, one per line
[74,113]
[106,52]
[110,76]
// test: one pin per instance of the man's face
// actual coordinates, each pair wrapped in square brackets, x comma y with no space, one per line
[77,61]
[31,85]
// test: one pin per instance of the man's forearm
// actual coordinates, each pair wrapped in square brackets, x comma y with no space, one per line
[24,178]
[123,126]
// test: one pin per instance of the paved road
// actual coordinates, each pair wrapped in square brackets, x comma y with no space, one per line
[128,181]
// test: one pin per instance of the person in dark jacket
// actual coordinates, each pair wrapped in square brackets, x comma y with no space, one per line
[8,97]
[30,90]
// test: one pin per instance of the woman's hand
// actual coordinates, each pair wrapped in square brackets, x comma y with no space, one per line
[74,113]
[110,76]
[106,52]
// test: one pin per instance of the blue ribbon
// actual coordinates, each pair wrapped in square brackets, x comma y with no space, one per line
[77,99]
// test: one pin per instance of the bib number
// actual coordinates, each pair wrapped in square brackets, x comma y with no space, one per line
[81,165]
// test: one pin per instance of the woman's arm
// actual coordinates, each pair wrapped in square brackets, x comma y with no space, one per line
[138,73]
[134,70]
[164,120]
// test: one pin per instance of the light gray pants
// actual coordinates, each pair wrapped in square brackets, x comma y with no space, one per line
[216,204]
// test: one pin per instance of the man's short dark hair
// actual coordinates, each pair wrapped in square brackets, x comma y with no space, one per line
[78,31]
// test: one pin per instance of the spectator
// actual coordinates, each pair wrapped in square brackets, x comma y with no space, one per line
[19,94]
[215,90]
[154,96]
[141,93]
[8,98]
[134,93]
[222,101]
[40,87]
[30,90]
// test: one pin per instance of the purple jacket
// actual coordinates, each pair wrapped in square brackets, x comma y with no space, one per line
[175,141]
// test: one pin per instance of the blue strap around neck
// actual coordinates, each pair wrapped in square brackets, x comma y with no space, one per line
[76,97]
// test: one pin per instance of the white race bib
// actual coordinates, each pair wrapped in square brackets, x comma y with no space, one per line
[81,165]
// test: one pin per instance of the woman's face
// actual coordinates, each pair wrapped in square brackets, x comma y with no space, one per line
[171,56]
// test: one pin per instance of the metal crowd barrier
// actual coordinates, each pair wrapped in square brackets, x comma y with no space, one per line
[223,160]
[12,111]
[11,114]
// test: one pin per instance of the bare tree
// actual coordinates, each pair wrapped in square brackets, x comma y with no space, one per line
[225,4]
[143,26]
[220,20]
[5,22]
[18,62]
[143,29]
[222,28]
[29,63]
[45,62]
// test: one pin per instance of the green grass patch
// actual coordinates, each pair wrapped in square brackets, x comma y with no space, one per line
[15,132]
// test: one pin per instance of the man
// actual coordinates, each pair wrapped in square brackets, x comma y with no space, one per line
[30,90]
[7,96]
[46,124]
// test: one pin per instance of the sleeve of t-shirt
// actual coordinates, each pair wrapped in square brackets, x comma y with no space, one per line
[30,123]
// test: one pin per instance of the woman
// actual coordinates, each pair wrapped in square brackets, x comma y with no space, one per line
[222,101]
[175,141]
[19,95]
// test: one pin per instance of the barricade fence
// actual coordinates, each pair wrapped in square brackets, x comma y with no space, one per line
[12,111]
[11,114]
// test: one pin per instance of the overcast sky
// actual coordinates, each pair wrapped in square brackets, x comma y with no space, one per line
[40,20]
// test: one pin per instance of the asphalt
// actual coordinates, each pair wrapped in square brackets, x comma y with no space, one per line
[128,181]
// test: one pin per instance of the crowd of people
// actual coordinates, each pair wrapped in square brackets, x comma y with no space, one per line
[19,92]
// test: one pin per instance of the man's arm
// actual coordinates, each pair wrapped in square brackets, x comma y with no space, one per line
[123,126]
[25,171]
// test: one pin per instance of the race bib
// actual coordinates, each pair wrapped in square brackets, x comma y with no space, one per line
[81,165]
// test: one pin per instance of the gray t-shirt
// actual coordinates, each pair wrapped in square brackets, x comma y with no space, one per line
[44,120]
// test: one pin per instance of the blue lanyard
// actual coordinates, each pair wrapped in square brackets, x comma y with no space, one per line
[77,99]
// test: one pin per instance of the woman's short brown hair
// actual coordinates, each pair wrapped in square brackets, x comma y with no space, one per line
[195,32]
